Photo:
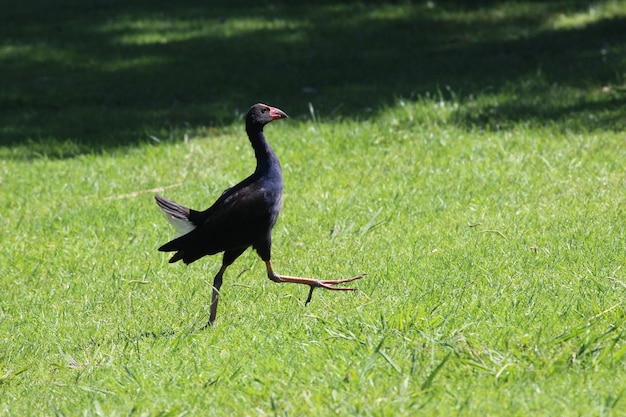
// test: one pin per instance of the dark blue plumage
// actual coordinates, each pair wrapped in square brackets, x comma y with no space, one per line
[242,217]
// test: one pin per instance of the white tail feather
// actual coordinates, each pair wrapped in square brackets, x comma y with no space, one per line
[182,226]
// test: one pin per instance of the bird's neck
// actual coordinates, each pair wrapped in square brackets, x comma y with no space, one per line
[266,160]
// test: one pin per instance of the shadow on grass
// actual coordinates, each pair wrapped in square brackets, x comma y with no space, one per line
[99,75]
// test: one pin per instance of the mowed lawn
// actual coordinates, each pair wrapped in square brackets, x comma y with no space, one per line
[469,158]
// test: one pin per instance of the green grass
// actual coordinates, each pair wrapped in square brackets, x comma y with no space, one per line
[469,158]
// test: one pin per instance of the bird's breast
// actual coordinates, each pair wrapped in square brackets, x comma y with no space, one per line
[273,200]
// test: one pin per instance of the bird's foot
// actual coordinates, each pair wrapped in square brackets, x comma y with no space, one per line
[313,283]
[328,284]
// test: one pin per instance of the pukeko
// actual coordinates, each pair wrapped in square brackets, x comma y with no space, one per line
[242,216]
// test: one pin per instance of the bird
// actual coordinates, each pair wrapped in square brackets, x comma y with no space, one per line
[242,217]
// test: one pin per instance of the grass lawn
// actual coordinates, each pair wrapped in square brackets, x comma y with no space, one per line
[469,156]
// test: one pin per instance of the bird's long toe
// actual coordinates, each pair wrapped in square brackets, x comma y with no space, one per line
[339,281]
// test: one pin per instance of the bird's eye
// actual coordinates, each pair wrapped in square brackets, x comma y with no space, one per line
[264,109]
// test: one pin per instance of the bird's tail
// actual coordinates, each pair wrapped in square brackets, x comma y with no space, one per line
[176,214]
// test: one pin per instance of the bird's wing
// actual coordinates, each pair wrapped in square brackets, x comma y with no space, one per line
[240,210]
[239,218]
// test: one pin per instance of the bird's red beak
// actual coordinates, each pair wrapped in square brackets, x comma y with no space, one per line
[277,113]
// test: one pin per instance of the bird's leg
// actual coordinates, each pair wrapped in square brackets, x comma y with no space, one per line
[311,282]
[228,258]
[217,284]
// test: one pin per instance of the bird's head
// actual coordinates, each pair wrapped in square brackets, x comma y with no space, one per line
[261,114]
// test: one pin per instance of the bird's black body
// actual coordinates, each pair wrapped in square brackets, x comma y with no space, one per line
[242,217]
